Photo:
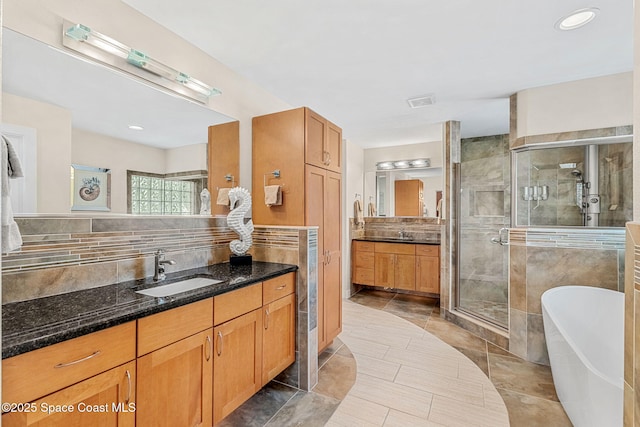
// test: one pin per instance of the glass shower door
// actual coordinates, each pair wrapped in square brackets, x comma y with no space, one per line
[484,218]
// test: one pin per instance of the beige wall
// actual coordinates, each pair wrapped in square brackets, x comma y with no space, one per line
[594,103]
[353,182]
[53,127]
[186,158]
[241,98]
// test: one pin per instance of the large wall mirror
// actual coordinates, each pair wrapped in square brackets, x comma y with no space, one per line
[403,192]
[62,110]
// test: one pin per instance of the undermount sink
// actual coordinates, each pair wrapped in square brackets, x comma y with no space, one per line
[177,287]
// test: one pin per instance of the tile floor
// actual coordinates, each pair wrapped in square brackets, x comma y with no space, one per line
[405,376]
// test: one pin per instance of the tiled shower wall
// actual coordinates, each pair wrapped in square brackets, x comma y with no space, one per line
[542,259]
[68,253]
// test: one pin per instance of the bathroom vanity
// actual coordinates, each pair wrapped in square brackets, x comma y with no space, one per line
[123,358]
[396,264]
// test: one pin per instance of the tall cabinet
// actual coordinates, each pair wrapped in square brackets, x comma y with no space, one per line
[302,151]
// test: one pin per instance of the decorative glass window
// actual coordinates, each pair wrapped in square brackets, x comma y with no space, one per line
[170,194]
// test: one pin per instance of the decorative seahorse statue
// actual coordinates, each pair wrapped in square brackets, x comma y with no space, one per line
[235,220]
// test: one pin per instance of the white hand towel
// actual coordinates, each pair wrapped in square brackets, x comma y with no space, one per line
[10,166]
[223,197]
[272,195]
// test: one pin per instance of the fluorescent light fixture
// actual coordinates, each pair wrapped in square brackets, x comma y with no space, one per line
[403,164]
[577,19]
[136,127]
[120,56]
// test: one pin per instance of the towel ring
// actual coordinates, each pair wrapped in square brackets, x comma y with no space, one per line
[275,173]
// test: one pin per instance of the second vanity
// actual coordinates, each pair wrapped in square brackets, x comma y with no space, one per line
[396,264]
[112,356]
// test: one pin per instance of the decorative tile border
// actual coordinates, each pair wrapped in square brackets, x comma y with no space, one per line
[578,238]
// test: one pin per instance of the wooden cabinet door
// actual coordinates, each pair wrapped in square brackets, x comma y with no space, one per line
[408,197]
[315,183]
[332,239]
[405,272]
[315,137]
[175,383]
[278,336]
[107,399]
[428,274]
[237,362]
[385,270]
[333,148]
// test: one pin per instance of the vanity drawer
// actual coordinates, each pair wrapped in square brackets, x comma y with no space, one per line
[395,248]
[29,376]
[359,245]
[161,329]
[364,259]
[236,303]
[278,287]
[364,276]
[428,250]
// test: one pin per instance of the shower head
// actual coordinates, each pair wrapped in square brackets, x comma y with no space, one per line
[577,173]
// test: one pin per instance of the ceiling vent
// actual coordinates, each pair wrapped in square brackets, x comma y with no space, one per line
[422,101]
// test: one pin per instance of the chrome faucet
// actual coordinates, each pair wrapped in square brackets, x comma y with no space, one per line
[159,264]
[401,233]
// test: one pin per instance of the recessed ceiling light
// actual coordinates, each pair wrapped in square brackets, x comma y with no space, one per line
[135,127]
[577,19]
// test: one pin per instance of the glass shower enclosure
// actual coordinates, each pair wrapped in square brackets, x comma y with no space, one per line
[554,185]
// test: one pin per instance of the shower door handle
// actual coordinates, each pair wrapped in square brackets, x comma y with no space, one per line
[499,239]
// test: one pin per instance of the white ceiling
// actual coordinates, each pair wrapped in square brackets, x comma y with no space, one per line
[357,62]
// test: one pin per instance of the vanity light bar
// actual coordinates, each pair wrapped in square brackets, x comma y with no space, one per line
[86,36]
[404,164]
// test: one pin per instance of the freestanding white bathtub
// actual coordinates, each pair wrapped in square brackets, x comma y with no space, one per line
[584,330]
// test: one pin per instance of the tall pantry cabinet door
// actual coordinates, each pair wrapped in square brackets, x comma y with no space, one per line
[333,147]
[278,144]
[314,213]
[315,139]
[333,266]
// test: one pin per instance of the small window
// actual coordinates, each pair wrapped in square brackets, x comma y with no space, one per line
[168,194]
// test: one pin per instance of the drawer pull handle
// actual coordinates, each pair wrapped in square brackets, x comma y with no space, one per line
[281,287]
[91,356]
[220,344]
[128,374]
[209,347]
[266,319]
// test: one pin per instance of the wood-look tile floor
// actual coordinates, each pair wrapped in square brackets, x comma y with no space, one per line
[397,363]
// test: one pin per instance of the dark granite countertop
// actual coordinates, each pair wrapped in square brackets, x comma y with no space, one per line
[33,324]
[398,240]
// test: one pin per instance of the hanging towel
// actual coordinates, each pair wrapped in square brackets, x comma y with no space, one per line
[272,195]
[223,197]
[10,166]
[371,210]
[358,217]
